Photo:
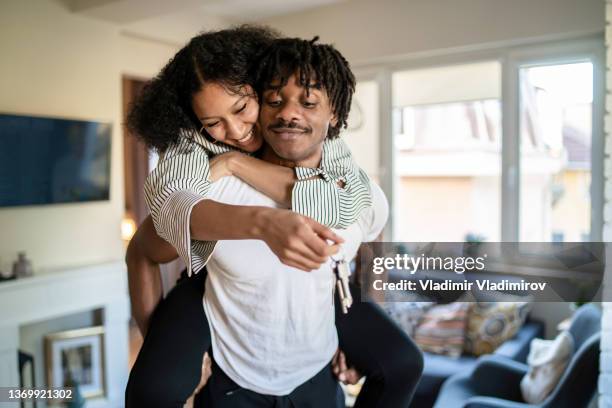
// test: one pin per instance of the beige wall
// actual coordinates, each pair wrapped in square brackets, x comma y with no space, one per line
[365,30]
[608,128]
[62,65]
[605,380]
[142,58]
[362,136]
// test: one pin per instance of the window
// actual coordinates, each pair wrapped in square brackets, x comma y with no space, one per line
[498,144]
[555,163]
[447,123]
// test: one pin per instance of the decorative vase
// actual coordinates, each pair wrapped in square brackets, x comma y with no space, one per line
[22,266]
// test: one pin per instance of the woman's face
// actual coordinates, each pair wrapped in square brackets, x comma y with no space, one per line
[228,117]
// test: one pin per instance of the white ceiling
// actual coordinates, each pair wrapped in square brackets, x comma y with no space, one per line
[178,20]
[249,10]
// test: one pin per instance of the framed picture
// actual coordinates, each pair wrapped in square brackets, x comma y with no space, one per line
[76,357]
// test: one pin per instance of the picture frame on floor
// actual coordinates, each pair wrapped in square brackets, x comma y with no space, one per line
[76,357]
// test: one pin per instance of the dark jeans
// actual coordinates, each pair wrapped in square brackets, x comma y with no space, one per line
[168,367]
[321,391]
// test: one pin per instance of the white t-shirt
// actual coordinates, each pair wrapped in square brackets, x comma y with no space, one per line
[272,325]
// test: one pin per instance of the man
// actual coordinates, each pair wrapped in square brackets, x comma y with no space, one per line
[274,344]
[272,326]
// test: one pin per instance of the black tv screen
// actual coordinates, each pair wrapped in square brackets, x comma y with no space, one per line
[50,161]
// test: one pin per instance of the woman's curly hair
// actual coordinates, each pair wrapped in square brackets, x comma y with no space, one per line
[163,109]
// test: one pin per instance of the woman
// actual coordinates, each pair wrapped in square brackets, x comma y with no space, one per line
[209,86]
[219,99]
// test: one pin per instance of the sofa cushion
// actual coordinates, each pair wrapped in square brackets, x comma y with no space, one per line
[442,329]
[407,315]
[547,361]
[490,324]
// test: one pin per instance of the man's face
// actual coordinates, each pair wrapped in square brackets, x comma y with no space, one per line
[294,121]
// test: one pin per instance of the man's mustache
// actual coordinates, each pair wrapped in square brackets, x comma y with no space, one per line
[281,124]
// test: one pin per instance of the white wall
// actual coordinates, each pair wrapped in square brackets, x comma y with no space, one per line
[364,30]
[55,63]
[605,379]
[362,135]
[448,84]
[143,58]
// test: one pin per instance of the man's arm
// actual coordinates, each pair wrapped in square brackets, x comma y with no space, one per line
[144,254]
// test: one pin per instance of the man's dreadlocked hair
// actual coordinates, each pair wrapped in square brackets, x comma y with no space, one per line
[319,62]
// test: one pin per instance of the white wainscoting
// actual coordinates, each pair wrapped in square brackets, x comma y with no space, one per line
[58,293]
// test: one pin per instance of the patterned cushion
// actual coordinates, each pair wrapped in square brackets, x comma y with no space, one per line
[492,323]
[442,330]
[407,314]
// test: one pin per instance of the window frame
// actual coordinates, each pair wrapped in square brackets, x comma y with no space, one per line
[512,56]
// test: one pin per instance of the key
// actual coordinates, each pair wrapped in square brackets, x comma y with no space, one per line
[343,272]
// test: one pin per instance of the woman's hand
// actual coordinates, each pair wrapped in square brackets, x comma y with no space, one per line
[298,241]
[220,165]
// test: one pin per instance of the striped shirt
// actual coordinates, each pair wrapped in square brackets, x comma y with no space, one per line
[182,179]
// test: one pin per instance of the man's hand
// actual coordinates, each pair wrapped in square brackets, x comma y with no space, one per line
[206,373]
[342,371]
[298,241]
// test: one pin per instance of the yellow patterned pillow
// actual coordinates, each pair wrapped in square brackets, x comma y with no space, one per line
[492,323]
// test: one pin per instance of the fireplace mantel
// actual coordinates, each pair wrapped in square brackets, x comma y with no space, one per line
[56,293]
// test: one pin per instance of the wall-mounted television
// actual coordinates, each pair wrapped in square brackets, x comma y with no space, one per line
[52,161]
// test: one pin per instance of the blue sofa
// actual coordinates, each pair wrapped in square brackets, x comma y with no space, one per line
[438,368]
